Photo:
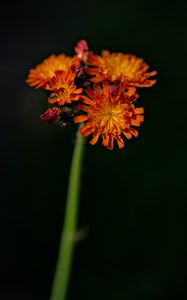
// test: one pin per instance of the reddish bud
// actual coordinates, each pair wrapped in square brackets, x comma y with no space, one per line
[51,115]
[82,50]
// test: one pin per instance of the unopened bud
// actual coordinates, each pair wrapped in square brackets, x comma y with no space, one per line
[51,115]
[82,50]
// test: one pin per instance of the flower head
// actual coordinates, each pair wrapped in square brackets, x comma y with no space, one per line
[63,87]
[42,73]
[110,115]
[120,67]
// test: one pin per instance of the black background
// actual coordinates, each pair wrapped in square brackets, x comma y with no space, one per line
[133,201]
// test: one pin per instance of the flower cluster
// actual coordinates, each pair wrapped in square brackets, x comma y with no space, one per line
[99,91]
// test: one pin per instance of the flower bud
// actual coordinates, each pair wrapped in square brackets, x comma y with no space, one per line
[51,115]
[82,50]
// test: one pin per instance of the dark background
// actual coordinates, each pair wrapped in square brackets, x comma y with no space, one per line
[133,201]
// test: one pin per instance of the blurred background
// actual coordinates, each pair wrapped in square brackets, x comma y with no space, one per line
[133,201]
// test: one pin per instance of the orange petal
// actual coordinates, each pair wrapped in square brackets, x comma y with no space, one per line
[78,91]
[105,88]
[83,107]
[135,122]
[91,71]
[110,143]
[139,110]
[91,94]
[152,73]
[127,134]
[105,140]
[97,79]
[53,100]
[62,102]
[120,142]
[86,100]
[140,118]
[134,131]
[94,140]
[75,97]
[86,130]
[131,91]
[79,119]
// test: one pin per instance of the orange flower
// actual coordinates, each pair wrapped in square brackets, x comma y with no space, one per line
[109,115]
[63,87]
[42,73]
[120,67]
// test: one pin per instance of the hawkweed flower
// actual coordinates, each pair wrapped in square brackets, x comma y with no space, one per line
[40,76]
[63,87]
[109,115]
[120,67]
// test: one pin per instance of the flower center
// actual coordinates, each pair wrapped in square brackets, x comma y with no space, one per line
[65,91]
[109,118]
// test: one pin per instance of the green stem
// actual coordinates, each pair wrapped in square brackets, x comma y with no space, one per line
[64,262]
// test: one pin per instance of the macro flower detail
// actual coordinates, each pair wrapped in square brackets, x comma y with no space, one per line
[63,87]
[42,73]
[111,116]
[98,91]
[120,67]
